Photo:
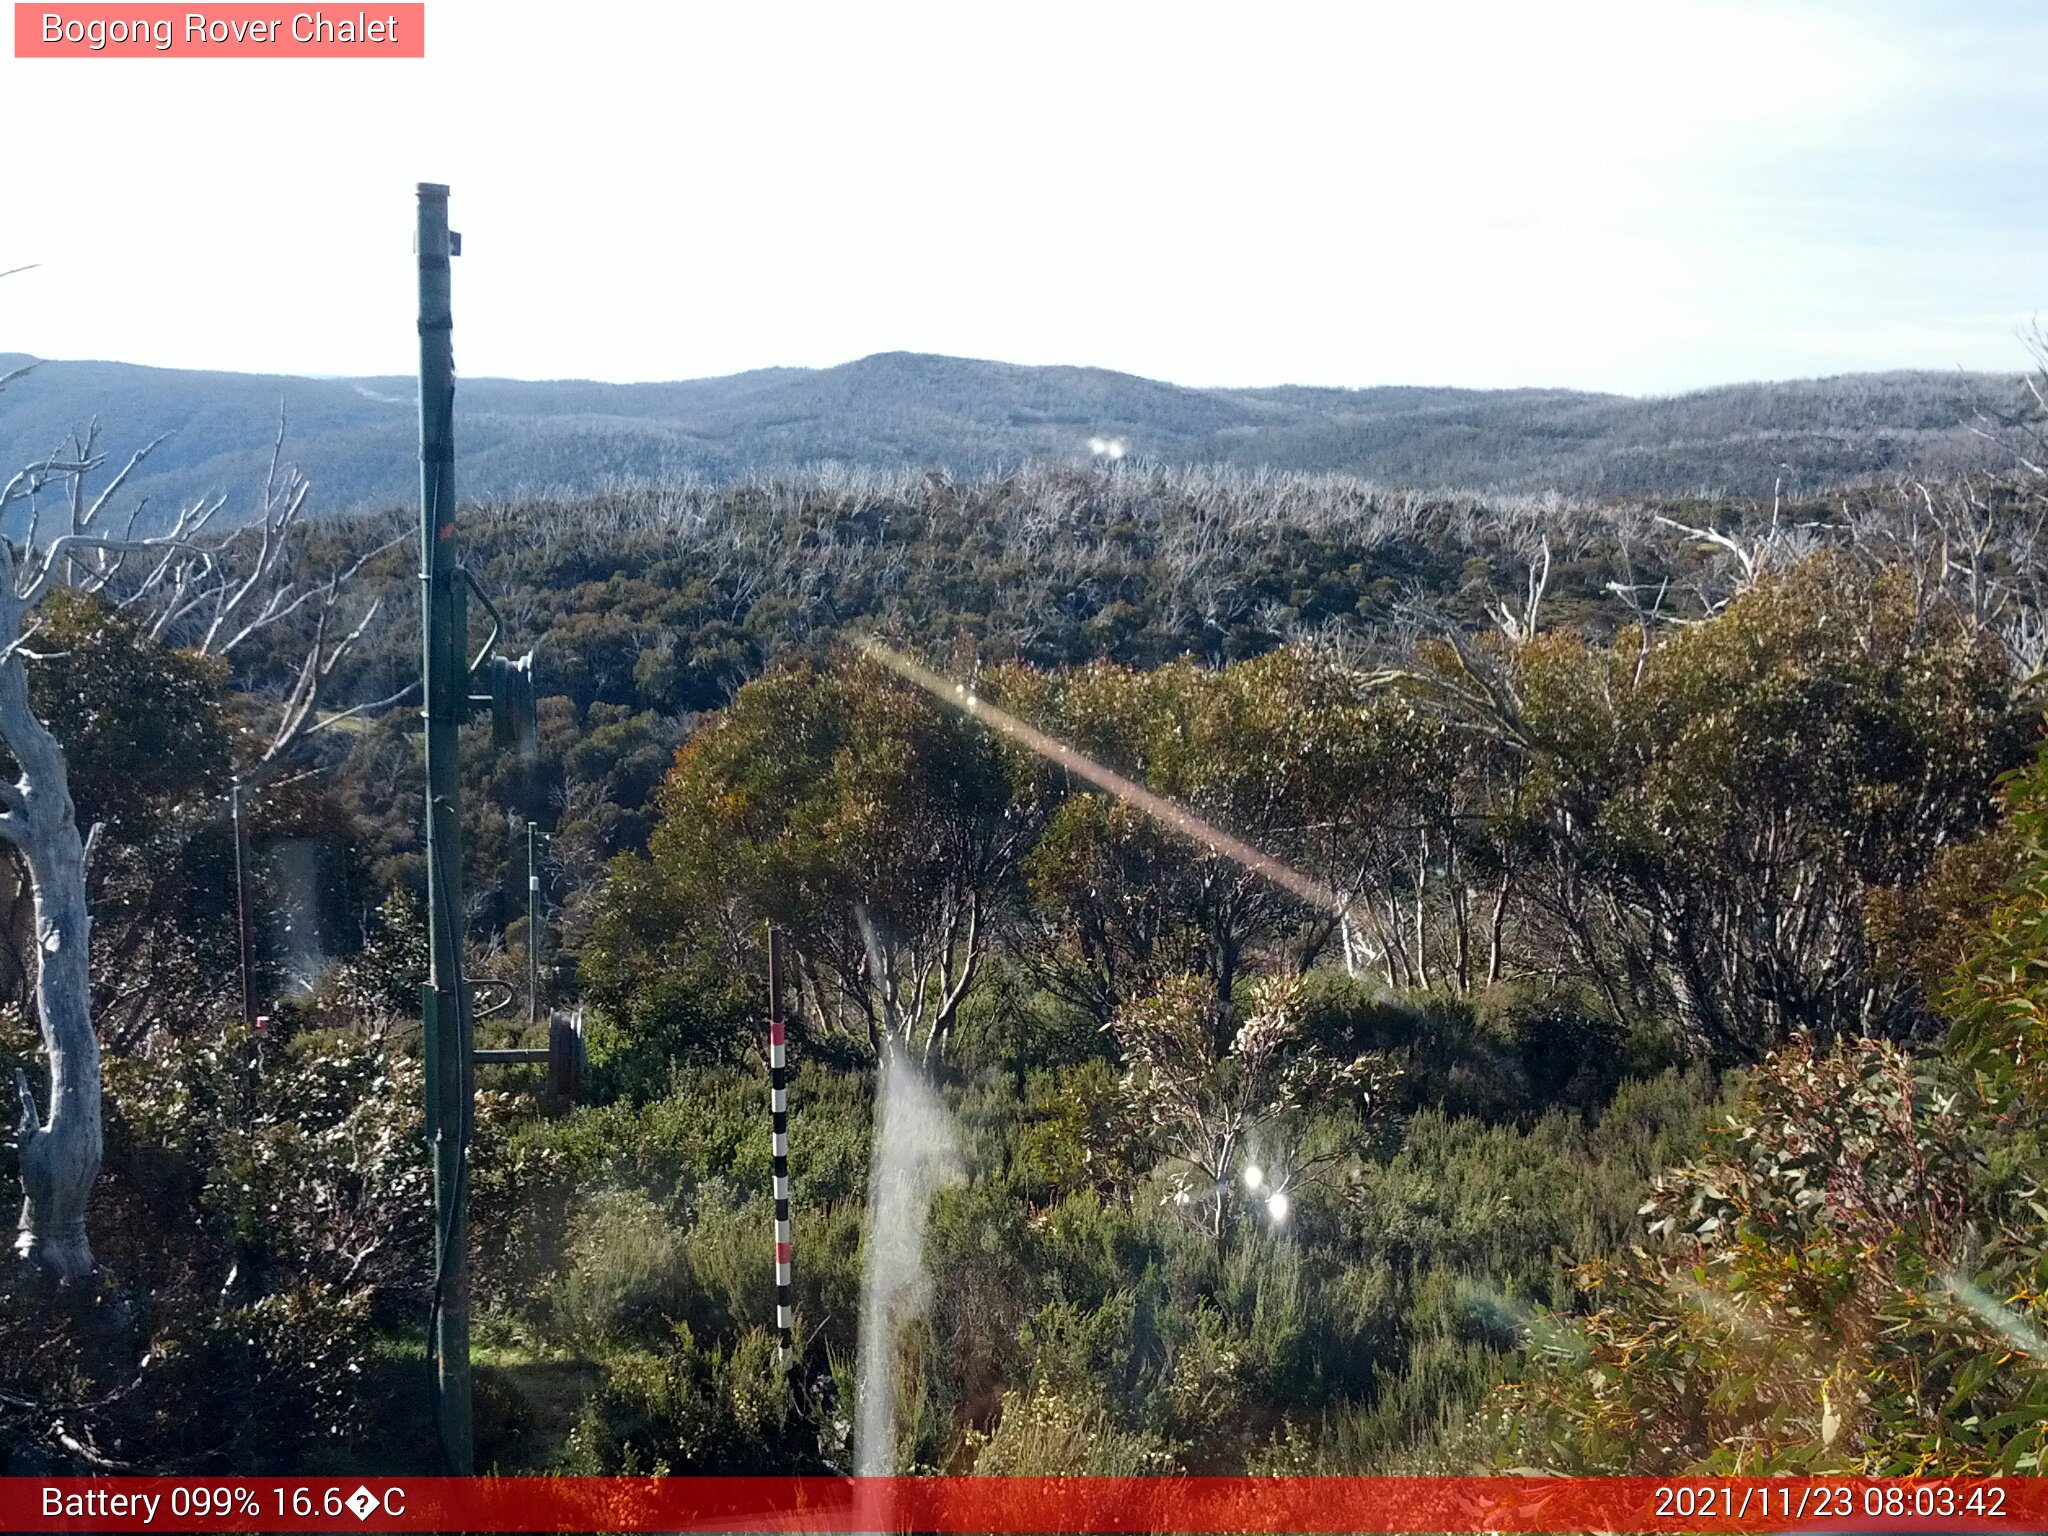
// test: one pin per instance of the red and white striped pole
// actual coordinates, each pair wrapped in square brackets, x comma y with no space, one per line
[778,1105]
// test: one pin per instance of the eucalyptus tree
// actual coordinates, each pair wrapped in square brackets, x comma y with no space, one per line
[196,582]
[883,831]
[1705,818]
[1123,901]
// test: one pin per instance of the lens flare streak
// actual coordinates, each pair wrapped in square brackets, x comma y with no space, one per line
[1160,809]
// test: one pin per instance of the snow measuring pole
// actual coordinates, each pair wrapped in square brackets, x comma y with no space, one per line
[778,1133]
[449,677]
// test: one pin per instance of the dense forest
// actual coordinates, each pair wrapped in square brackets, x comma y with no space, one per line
[1637,1069]
[901,410]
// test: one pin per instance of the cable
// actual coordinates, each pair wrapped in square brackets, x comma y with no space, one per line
[443,898]
[460,1194]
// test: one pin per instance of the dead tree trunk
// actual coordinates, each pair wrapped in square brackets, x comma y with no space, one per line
[60,1153]
[216,595]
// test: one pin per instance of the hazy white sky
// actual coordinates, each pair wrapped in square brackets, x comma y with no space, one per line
[1641,196]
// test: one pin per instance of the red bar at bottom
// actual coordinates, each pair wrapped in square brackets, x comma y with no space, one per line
[1019,1504]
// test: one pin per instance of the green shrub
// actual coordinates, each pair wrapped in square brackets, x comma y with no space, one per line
[1043,1432]
[628,1276]
[1509,1054]
[685,1408]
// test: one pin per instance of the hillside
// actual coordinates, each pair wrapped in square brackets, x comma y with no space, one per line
[354,437]
[1508,1033]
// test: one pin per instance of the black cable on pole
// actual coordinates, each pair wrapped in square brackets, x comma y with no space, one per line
[446,1237]
[444,1245]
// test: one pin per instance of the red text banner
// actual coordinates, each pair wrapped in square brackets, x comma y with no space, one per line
[379,31]
[1020,1504]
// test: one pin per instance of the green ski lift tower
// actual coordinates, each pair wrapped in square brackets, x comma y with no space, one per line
[455,687]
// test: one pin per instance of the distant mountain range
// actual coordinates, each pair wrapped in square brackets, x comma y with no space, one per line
[355,437]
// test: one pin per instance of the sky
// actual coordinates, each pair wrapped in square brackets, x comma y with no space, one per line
[1644,197]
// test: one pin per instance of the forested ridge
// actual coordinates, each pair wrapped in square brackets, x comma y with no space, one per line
[900,410]
[1655,1093]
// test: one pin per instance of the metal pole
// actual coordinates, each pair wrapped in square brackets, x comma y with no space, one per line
[532,924]
[778,1116]
[242,901]
[444,999]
